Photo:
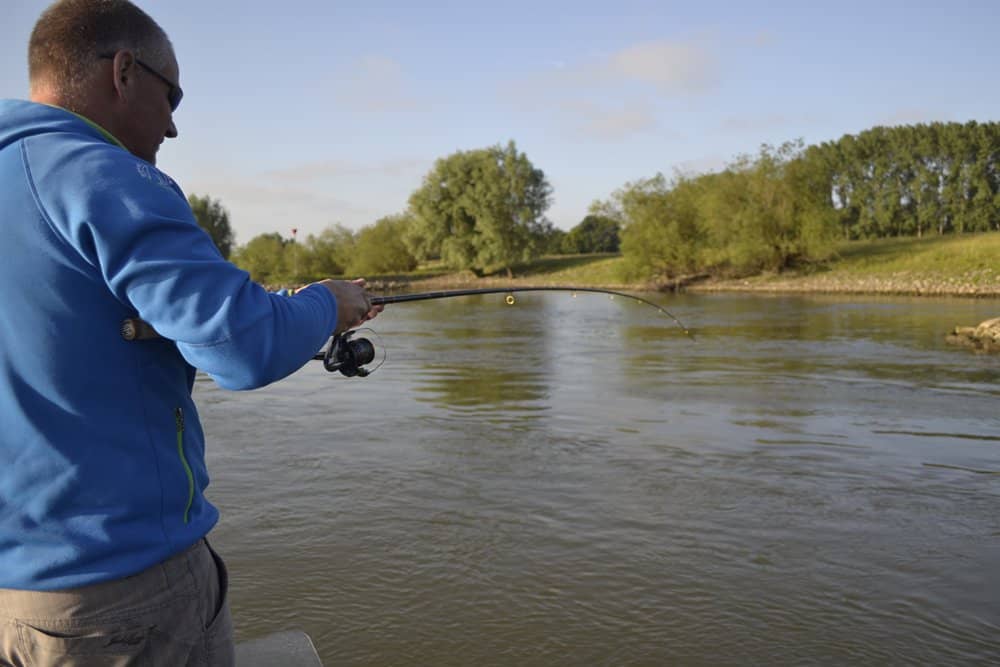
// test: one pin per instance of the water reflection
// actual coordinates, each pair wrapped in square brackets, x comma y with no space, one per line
[485,356]
[826,339]
[483,388]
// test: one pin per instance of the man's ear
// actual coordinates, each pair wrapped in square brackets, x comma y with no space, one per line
[124,70]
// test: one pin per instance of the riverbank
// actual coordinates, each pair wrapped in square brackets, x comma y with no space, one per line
[965,266]
[961,266]
[899,284]
[981,284]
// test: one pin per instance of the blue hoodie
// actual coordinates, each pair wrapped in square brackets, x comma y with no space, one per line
[102,457]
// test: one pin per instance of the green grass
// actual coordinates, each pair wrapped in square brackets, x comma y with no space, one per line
[593,269]
[974,257]
[429,270]
[949,254]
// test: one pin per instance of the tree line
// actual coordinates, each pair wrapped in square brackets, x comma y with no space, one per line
[484,210]
[913,180]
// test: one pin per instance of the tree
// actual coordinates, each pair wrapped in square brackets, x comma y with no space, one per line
[663,236]
[909,180]
[595,233]
[329,253]
[263,258]
[214,219]
[479,209]
[549,239]
[609,208]
[770,213]
[380,248]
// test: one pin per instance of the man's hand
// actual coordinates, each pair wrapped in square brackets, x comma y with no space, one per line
[353,304]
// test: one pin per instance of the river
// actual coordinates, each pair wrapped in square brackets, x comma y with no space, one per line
[572,481]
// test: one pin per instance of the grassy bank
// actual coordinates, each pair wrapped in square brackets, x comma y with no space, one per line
[958,266]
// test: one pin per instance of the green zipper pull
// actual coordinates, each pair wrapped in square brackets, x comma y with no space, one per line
[179,421]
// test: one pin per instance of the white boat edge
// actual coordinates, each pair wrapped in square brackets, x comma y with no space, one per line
[289,648]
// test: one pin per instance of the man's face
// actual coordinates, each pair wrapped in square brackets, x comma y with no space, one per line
[150,117]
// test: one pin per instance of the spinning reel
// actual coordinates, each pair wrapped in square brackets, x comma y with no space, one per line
[349,355]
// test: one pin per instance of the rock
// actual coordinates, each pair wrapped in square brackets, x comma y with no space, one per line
[983,338]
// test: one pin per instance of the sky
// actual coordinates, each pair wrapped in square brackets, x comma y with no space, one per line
[304,114]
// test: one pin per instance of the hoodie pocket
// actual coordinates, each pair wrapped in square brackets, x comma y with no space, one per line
[179,422]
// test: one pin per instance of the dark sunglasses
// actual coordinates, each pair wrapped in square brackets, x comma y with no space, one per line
[174,94]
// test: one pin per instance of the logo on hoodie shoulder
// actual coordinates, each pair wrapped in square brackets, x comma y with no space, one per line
[151,173]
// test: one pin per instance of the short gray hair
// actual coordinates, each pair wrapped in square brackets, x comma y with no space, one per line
[71,34]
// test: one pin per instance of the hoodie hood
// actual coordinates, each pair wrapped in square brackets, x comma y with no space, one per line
[20,119]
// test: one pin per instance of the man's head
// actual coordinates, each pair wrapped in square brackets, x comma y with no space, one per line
[109,61]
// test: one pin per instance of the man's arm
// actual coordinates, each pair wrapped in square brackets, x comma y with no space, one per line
[133,225]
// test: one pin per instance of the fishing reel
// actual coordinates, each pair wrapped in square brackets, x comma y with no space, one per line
[349,355]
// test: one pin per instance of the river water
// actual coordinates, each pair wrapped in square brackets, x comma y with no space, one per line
[572,481]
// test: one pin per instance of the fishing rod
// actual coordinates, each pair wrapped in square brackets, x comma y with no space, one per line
[349,355]
[444,294]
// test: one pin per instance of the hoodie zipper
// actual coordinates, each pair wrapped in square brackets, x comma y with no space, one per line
[179,421]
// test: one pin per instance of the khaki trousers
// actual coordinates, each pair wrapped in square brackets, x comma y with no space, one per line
[174,614]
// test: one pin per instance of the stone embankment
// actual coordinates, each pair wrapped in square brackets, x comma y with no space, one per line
[894,283]
[982,338]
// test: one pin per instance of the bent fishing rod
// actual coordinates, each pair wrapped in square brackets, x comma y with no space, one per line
[349,356]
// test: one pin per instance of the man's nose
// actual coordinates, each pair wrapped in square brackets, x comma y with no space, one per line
[172,130]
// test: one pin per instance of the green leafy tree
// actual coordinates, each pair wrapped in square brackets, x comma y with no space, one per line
[379,249]
[608,208]
[910,180]
[786,205]
[214,219]
[813,218]
[263,258]
[663,236]
[328,253]
[770,213]
[549,239]
[595,233]
[479,209]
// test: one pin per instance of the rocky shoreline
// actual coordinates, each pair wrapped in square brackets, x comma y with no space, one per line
[896,284]
[900,284]
[982,338]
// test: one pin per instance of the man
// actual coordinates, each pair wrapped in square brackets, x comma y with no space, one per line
[102,471]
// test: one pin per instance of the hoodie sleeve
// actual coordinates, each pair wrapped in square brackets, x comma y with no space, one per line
[133,226]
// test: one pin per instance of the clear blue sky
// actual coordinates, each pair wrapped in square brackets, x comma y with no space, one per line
[307,113]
